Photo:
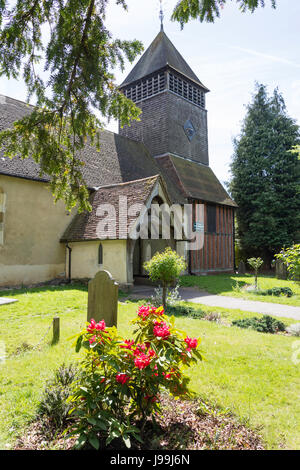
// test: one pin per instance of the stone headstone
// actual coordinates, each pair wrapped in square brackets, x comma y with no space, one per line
[103,299]
[281,269]
[241,268]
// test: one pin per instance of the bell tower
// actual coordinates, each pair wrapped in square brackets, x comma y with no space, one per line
[172,100]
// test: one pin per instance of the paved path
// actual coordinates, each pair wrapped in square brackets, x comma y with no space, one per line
[197,296]
[6,300]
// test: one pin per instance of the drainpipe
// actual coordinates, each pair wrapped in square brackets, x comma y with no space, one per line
[69,267]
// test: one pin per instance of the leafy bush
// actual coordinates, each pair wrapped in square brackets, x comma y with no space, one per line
[53,404]
[294,329]
[291,257]
[183,310]
[165,267]
[277,291]
[121,380]
[266,324]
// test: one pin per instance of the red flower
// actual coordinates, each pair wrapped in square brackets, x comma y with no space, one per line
[161,330]
[122,378]
[142,361]
[144,311]
[101,325]
[168,375]
[192,343]
[128,344]
[96,326]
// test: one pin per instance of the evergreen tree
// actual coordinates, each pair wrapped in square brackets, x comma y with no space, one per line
[209,10]
[67,56]
[265,177]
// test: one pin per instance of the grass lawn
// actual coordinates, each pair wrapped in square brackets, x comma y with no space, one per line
[250,373]
[223,284]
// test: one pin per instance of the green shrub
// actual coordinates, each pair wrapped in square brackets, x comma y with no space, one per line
[291,257]
[277,291]
[121,380]
[53,404]
[185,311]
[266,324]
[165,267]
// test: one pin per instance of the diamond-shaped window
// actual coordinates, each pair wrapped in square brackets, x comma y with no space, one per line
[189,130]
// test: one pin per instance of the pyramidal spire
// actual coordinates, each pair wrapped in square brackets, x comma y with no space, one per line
[161,54]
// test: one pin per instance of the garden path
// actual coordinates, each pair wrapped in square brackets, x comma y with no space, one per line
[192,294]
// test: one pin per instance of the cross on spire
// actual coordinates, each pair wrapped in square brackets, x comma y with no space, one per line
[161,17]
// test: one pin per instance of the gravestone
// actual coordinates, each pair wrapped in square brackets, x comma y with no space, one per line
[103,299]
[241,268]
[281,269]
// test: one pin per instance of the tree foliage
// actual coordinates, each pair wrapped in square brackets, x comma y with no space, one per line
[68,43]
[165,267]
[209,10]
[255,264]
[265,177]
[291,257]
[66,56]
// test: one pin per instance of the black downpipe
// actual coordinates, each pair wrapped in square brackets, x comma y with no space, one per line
[70,262]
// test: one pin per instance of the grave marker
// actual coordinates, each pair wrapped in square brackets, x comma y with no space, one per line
[103,299]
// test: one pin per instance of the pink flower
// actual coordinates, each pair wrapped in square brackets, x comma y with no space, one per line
[101,325]
[122,378]
[142,361]
[192,343]
[96,326]
[161,330]
[128,344]
[91,327]
[144,311]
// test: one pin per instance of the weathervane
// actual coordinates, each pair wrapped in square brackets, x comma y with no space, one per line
[161,17]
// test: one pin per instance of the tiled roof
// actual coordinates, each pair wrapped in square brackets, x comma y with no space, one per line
[195,181]
[84,226]
[160,54]
[119,160]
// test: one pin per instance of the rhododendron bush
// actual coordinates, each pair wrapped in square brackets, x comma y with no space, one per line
[122,379]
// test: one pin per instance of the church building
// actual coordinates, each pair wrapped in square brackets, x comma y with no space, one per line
[162,159]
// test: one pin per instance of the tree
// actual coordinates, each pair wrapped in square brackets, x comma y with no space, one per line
[166,268]
[255,264]
[66,56]
[78,58]
[209,10]
[265,177]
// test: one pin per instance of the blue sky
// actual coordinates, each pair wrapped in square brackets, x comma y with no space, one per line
[228,56]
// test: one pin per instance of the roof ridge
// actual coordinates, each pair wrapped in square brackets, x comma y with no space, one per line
[127,182]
